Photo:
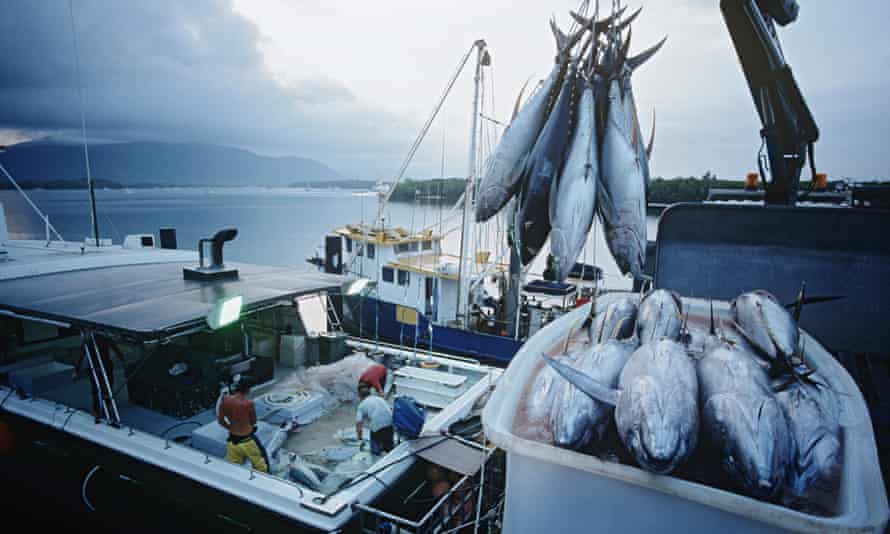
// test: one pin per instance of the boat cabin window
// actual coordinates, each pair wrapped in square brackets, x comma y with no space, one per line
[387,274]
[359,249]
[372,249]
[25,343]
[348,245]
[404,278]
[427,245]
[414,246]
[43,360]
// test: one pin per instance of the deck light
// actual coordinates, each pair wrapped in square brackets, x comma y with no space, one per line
[225,312]
[357,286]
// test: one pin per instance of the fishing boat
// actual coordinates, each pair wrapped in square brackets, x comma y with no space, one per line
[149,451]
[469,302]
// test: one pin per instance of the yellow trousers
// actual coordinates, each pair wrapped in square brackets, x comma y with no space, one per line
[248,449]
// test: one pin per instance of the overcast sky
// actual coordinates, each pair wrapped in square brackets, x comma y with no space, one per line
[350,83]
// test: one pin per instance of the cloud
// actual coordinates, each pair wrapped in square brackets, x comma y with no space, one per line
[350,83]
[175,71]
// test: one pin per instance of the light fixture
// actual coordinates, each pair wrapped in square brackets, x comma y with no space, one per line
[225,312]
[357,286]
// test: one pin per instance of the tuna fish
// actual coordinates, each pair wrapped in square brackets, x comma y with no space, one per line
[617,321]
[573,194]
[656,403]
[622,199]
[543,163]
[501,178]
[644,151]
[768,326]
[660,316]
[624,167]
[544,389]
[743,419]
[813,416]
[577,418]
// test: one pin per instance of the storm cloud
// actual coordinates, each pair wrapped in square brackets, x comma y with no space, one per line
[175,70]
[350,83]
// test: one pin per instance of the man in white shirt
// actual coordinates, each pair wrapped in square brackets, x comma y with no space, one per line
[378,415]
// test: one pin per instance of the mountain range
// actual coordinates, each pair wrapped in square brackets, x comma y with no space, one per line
[157,163]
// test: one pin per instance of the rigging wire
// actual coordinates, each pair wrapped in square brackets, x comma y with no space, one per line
[422,134]
[40,214]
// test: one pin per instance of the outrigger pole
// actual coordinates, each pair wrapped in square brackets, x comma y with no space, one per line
[482,59]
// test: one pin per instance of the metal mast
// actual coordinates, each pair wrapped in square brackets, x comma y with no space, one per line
[83,127]
[482,59]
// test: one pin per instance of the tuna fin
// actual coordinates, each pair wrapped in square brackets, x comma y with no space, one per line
[651,138]
[606,206]
[519,98]
[800,298]
[636,136]
[635,62]
[811,300]
[584,383]
[713,329]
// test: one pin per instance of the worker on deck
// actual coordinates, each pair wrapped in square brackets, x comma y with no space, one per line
[238,415]
[378,415]
[375,377]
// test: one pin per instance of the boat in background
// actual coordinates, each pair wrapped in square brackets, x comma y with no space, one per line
[473,303]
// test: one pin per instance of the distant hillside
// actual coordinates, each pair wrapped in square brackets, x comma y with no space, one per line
[450,189]
[181,164]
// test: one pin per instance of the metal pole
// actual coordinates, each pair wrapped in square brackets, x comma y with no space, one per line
[94,374]
[30,202]
[104,376]
[83,127]
[468,192]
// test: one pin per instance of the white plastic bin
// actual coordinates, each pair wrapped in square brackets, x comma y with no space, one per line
[550,489]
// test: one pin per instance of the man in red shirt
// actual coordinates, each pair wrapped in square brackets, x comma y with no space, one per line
[374,376]
[238,416]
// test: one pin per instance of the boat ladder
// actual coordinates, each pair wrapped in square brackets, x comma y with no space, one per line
[333,318]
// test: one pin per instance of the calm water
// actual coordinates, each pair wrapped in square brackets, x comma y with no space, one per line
[276,226]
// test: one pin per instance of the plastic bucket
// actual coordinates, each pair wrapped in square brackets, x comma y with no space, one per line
[559,490]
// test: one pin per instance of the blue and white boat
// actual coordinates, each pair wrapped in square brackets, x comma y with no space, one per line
[474,303]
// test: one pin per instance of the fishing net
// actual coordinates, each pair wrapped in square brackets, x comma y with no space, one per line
[340,378]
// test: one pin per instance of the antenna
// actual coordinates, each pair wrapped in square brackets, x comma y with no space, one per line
[83,126]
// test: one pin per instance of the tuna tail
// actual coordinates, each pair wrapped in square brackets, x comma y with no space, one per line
[602,26]
[590,387]
[624,24]
[624,52]
[562,40]
[635,62]
[651,138]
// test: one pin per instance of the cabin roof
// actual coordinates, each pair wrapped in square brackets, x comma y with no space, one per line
[152,301]
[428,264]
[388,236]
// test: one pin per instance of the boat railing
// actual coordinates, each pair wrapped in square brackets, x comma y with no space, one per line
[371,344]
[474,501]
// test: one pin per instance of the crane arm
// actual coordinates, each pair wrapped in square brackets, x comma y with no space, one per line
[789,129]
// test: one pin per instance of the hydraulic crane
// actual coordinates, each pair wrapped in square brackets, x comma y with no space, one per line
[789,130]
